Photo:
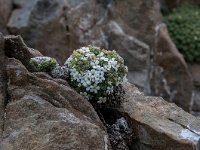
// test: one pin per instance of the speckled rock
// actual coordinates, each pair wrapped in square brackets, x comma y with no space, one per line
[43,113]
[159,125]
[15,47]
[170,73]
[131,27]
[56,27]
[134,52]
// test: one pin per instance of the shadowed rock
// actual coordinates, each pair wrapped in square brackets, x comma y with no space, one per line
[16,48]
[3,82]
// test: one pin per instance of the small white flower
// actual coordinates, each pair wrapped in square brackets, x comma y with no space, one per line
[91,80]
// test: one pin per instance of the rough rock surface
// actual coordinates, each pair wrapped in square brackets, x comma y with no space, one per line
[159,125]
[145,23]
[56,27]
[15,47]
[134,52]
[71,24]
[5,11]
[63,25]
[170,73]
[194,69]
[44,113]
[39,112]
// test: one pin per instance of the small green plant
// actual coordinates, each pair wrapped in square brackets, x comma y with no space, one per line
[95,73]
[45,64]
[184,28]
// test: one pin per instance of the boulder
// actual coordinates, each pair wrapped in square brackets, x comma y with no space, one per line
[40,21]
[134,52]
[62,25]
[159,125]
[16,48]
[45,113]
[39,118]
[170,72]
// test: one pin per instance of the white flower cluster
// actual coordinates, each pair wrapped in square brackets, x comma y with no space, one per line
[92,72]
[98,78]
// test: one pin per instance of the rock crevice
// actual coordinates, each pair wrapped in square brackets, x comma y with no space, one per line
[4,97]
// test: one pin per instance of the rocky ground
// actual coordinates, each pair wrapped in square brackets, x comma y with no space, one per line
[134,28]
[43,113]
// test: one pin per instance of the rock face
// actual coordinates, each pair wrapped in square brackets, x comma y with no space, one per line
[43,113]
[5,11]
[38,22]
[170,72]
[132,50]
[159,125]
[194,69]
[63,25]
[71,24]
[131,27]
[163,76]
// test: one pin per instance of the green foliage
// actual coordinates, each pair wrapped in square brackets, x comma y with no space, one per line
[184,28]
[45,64]
[95,73]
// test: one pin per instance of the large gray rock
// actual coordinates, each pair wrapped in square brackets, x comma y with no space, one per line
[39,22]
[134,52]
[39,118]
[170,74]
[159,125]
[63,25]
[43,113]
